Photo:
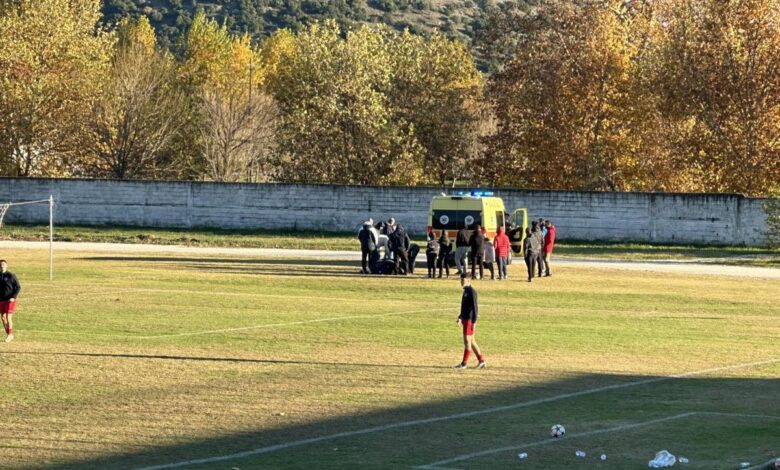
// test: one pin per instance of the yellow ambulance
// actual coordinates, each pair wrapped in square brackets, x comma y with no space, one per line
[451,213]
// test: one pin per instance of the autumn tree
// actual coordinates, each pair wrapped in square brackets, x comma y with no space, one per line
[52,59]
[140,109]
[235,118]
[337,124]
[569,111]
[718,79]
[434,94]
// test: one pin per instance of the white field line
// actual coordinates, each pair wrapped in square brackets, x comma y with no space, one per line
[460,458]
[498,450]
[242,328]
[469,414]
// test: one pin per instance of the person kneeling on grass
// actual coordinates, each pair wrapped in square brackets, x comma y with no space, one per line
[469,310]
[9,292]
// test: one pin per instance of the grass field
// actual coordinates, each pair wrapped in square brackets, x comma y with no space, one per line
[740,255]
[140,361]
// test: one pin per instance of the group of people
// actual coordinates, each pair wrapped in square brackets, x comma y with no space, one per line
[399,251]
[472,247]
[538,246]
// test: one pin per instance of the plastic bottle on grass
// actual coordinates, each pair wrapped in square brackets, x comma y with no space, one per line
[579,453]
[522,456]
[682,460]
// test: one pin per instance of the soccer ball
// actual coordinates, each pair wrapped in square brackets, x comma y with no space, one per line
[557,431]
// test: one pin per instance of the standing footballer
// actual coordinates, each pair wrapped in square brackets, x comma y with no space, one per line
[468,318]
[9,291]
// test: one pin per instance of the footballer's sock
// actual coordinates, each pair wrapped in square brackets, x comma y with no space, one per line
[10,331]
[480,358]
[466,354]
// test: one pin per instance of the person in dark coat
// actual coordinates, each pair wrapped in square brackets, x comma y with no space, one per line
[368,245]
[531,250]
[477,247]
[431,253]
[398,244]
[9,294]
[445,248]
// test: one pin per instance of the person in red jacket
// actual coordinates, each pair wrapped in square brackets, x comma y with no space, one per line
[501,245]
[549,242]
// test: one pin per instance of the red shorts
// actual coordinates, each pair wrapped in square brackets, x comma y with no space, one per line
[468,328]
[8,307]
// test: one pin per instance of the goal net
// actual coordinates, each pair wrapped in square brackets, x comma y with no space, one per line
[8,206]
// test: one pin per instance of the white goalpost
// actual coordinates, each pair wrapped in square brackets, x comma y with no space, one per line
[4,209]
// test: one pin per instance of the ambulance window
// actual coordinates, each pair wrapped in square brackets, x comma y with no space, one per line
[499,219]
[445,219]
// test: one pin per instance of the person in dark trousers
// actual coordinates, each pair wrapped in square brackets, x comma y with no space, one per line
[367,246]
[9,293]
[462,249]
[431,253]
[477,247]
[531,250]
[549,243]
[445,248]
[536,230]
[398,245]
[489,258]
[502,246]
[407,248]
[469,311]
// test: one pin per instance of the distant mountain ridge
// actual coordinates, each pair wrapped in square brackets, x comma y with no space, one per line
[459,19]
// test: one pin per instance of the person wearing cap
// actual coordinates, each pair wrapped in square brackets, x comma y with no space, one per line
[9,293]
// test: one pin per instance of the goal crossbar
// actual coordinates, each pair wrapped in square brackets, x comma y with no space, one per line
[4,209]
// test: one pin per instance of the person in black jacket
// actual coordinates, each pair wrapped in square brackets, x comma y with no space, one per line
[368,244]
[477,247]
[9,293]
[462,249]
[469,311]
[398,242]
[445,248]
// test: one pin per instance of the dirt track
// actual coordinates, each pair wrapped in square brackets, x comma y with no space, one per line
[668,266]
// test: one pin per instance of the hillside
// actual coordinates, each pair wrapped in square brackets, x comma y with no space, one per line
[259,18]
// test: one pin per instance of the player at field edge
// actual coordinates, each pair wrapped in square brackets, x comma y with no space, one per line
[469,311]
[9,292]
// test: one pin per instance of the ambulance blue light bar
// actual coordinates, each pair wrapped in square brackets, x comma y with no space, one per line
[475,193]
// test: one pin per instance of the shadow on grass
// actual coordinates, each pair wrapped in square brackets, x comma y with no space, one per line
[166,357]
[277,267]
[401,437]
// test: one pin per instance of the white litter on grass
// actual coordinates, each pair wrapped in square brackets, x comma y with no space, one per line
[522,456]
[682,459]
[744,465]
[663,459]
[603,456]
[580,453]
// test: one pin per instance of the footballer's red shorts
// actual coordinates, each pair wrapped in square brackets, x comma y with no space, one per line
[8,307]
[468,328]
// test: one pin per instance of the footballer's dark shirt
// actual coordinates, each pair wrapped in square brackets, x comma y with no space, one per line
[468,305]
[9,286]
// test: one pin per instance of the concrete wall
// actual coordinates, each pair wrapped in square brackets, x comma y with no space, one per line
[646,217]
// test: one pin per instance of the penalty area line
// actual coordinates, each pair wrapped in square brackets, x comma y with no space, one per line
[437,419]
